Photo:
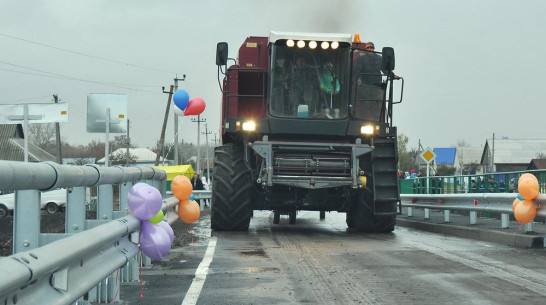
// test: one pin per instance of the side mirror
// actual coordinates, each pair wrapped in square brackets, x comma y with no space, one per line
[388,59]
[221,53]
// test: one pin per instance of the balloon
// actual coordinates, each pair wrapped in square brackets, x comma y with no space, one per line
[144,201]
[178,111]
[525,211]
[154,241]
[528,187]
[157,218]
[192,197]
[195,106]
[527,176]
[188,210]
[515,203]
[167,228]
[181,187]
[181,99]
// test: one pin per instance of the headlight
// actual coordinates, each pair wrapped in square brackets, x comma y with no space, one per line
[368,129]
[325,45]
[300,44]
[313,44]
[249,126]
[290,43]
[335,45]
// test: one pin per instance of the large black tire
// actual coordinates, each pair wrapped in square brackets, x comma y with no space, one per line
[292,217]
[52,208]
[3,211]
[276,217]
[361,217]
[231,190]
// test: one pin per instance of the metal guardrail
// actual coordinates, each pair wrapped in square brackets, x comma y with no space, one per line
[61,268]
[472,202]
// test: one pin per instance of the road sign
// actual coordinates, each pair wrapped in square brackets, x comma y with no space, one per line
[37,113]
[97,103]
[428,155]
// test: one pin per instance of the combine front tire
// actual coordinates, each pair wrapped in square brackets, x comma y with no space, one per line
[231,190]
[362,216]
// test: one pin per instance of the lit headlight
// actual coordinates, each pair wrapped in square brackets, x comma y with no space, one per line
[324,45]
[290,43]
[368,129]
[301,44]
[313,44]
[249,126]
[335,45]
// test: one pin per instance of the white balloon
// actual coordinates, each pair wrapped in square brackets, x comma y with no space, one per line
[177,111]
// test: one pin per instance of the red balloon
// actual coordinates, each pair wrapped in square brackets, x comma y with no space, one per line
[195,106]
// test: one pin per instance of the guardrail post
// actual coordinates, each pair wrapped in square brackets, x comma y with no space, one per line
[410,212]
[26,220]
[447,213]
[505,221]
[473,217]
[105,206]
[528,227]
[427,213]
[75,210]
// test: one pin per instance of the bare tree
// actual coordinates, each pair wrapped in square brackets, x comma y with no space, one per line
[42,135]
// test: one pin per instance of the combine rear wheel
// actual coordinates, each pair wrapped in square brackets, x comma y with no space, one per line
[362,218]
[292,217]
[231,190]
[276,217]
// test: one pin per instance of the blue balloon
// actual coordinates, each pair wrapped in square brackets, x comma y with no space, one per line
[192,197]
[520,197]
[181,98]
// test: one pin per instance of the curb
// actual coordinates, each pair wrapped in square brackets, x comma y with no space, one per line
[506,238]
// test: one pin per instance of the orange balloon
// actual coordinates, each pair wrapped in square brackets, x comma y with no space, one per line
[181,187]
[515,203]
[188,210]
[528,187]
[528,176]
[525,211]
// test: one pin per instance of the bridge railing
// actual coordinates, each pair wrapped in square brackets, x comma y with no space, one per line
[80,264]
[472,203]
[503,182]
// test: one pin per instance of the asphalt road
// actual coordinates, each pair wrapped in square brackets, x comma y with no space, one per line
[321,262]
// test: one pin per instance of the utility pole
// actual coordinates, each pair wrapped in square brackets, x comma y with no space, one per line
[176,157]
[162,137]
[128,145]
[58,134]
[215,139]
[198,142]
[207,132]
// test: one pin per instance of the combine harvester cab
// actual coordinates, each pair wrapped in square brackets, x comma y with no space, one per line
[306,125]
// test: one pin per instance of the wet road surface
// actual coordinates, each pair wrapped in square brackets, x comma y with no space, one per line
[321,262]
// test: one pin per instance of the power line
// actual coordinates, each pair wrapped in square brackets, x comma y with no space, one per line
[89,55]
[58,76]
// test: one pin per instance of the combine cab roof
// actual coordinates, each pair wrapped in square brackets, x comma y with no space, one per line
[274,36]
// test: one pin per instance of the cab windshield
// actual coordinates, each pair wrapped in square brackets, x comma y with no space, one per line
[309,83]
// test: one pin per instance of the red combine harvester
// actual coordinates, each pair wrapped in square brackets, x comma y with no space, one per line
[306,125]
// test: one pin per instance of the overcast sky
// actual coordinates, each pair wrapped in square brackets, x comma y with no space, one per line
[471,67]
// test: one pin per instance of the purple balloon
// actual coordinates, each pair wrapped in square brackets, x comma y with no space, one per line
[144,201]
[165,226]
[154,241]
[181,98]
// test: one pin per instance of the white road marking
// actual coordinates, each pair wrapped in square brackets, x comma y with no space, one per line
[200,275]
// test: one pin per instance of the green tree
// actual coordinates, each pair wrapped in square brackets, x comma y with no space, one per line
[405,158]
[444,170]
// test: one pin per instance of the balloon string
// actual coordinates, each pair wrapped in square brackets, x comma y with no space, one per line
[192,242]
[140,277]
[176,135]
[117,290]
